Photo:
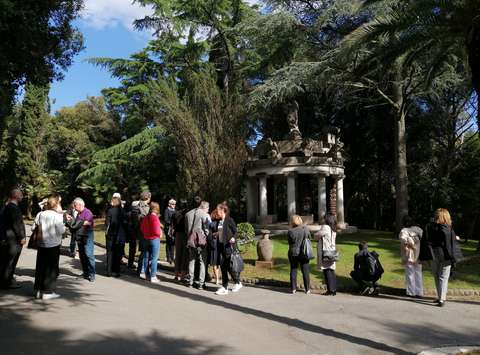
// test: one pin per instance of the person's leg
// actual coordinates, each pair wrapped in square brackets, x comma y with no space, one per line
[118,250]
[155,248]
[418,280]
[224,266]
[333,281]
[73,243]
[16,251]
[203,267]
[110,255]
[306,275]
[52,259]
[436,276]
[293,272]
[443,281]
[83,257]
[132,250]
[410,279]
[89,250]
[38,285]
[358,279]
[192,258]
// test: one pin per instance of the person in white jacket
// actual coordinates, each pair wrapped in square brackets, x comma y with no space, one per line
[410,237]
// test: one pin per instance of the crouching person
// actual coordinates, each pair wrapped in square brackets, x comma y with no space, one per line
[367,270]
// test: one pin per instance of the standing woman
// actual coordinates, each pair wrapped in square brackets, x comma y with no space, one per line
[227,231]
[213,251]
[410,237]
[152,231]
[442,240]
[296,234]
[46,270]
[116,234]
[326,237]
[169,218]
[181,251]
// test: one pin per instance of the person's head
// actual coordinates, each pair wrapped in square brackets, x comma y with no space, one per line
[116,202]
[52,202]
[222,210]
[16,195]
[362,245]
[117,194]
[172,203]
[442,216]
[197,200]
[183,204]
[154,208]
[79,204]
[407,221]
[204,205]
[146,196]
[331,221]
[296,220]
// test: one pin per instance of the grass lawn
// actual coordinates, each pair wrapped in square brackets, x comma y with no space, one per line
[467,275]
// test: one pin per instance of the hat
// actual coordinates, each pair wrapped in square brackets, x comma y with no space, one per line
[117,195]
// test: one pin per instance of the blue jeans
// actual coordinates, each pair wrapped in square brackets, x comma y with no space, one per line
[87,258]
[150,256]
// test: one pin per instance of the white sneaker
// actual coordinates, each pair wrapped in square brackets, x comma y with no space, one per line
[154,280]
[237,287]
[50,296]
[143,276]
[38,295]
[222,291]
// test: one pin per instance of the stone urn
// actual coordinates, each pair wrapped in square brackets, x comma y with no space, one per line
[265,246]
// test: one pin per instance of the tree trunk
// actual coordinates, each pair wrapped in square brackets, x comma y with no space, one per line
[473,49]
[401,174]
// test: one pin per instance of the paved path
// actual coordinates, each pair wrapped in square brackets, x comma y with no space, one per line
[131,316]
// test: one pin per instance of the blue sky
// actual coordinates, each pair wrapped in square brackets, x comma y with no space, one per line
[108,32]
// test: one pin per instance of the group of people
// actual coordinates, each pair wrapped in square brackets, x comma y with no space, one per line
[195,239]
[438,246]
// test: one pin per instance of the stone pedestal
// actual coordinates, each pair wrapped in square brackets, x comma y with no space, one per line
[264,264]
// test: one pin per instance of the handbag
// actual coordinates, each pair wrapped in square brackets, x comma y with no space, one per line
[196,238]
[37,236]
[306,249]
[236,261]
[330,255]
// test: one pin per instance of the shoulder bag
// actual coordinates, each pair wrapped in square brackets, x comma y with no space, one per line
[306,249]
[330,255]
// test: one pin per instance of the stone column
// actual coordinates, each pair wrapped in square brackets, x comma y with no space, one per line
[340,207]
[291,195]
[322,196]
[263,198]
[251,200]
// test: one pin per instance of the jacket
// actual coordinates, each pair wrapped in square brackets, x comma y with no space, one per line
[13,222]
[151,227]
[52,226]
[86,216]
[116,225]
[326,241]
[295,239]
[443,243]
[410,244]
[197,220]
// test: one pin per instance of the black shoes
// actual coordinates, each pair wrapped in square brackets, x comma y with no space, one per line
[330,293]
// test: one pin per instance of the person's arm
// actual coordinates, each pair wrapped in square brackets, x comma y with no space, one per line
[291,240]
[233,230]
[157,227]
[18,226]
[59,225]
[356,265]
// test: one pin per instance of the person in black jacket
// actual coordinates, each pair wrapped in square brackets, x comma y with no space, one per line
[296,235]
[227,232]
[116,234]
[181,250]
[169,218]
[13,239]
[442,240]
[364,274]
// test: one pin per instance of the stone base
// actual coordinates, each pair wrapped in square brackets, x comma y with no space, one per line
[264,264]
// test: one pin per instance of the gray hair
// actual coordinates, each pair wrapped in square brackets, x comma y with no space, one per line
[204,205]
[146,195]
[78,201]
[172,202]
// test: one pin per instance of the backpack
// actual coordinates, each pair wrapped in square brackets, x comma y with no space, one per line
[136,215]
[373,267]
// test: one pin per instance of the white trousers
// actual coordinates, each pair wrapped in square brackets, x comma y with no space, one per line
[414,279]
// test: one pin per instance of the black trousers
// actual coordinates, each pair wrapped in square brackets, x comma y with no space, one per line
[304,266]
[330,280]
[170,250]
[9,254]
[114,256]
[225,268]
[132,250]
[46,269]
[362,283]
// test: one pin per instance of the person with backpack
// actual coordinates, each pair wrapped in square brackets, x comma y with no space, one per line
[367,270]
[115,236]
[138,211]
[226,230]
[297,235]
[445,252]
[51,228]
[410,237]
[12,239]
[326,252]
[197,222]
[169,218]
[152,232]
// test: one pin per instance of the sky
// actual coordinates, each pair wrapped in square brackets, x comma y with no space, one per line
[108,32]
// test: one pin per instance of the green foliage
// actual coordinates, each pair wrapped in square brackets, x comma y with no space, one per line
[245,230]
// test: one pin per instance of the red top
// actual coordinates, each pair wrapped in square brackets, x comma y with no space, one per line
[151,227]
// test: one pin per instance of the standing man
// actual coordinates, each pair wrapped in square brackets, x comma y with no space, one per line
[197,221]
[169,217]
[84,235]
[12,239]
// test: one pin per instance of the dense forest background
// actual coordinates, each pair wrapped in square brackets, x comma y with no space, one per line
[399,78]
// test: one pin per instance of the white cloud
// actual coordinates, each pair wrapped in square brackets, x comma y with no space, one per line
[109,13]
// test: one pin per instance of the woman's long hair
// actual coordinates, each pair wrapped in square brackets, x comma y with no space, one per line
[331,221]
[442,216]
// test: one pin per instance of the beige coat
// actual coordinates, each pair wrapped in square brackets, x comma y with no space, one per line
[410,244]
[326,240]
